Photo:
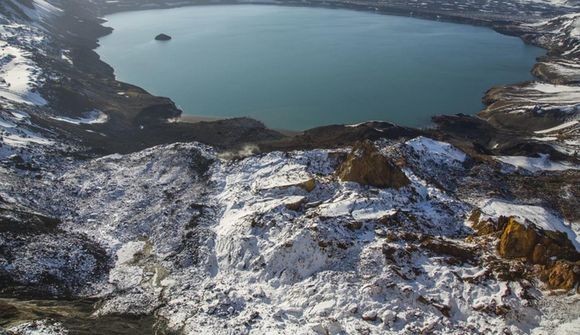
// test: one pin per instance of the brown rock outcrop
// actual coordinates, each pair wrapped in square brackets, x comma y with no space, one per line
[562,275]
[553,251]
[486,227]
[446,247]
[538,246]
[367,166]
[517,240]
[308,185]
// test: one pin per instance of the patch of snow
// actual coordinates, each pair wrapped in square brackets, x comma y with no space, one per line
[537,164]
[551,88]
[559,127]
[537,215]
[575,32]
[25,139]
[91,117]
[572,327]
[545,139]
[436,149]
[19,76]
[361,123]
[65,55]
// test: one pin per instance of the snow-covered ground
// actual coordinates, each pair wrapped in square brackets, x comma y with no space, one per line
[276,243]
[537,164]
[91,117]
[20,76]
[273,243]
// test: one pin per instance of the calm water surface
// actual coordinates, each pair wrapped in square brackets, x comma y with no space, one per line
[297,68]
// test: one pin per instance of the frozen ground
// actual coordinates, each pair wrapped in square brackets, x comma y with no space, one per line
[275,243]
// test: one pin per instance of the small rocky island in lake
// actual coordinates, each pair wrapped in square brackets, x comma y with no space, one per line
[162,37]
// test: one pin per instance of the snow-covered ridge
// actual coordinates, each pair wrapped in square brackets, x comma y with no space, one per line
[279,240]
[20,76]
[537,215]
[536,164]
[436,149]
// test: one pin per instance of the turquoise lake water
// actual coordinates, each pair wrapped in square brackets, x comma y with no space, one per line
[297,68]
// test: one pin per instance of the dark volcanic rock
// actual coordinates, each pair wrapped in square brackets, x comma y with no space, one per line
[334,136]
[39,259]
[162,37]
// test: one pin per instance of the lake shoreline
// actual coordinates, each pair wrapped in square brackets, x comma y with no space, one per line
[420,69]
[90,25]
[197,119]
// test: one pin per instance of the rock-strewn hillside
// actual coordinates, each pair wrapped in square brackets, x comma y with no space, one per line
[277,242]
[472,227]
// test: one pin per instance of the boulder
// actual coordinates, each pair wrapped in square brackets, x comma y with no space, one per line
[367,166]
[562,275]
[538,246]
[554,256]
[162,37]
[369,316]
[309,185]
[297,204]
[517,240]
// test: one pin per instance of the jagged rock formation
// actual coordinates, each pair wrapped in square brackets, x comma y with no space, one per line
[552,250]
[536,245]
[367,166]
[162,37]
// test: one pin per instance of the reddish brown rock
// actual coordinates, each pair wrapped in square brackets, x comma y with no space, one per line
[538,246]
[367,166]
[517,240]
[486,227]
[539,255]
[559,260]
[308,185]
[562,275]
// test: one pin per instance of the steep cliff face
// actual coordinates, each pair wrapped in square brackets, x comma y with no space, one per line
[547,110]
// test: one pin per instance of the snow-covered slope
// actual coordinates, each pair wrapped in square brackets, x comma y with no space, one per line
[20,76]
[275,243]
[21,36]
